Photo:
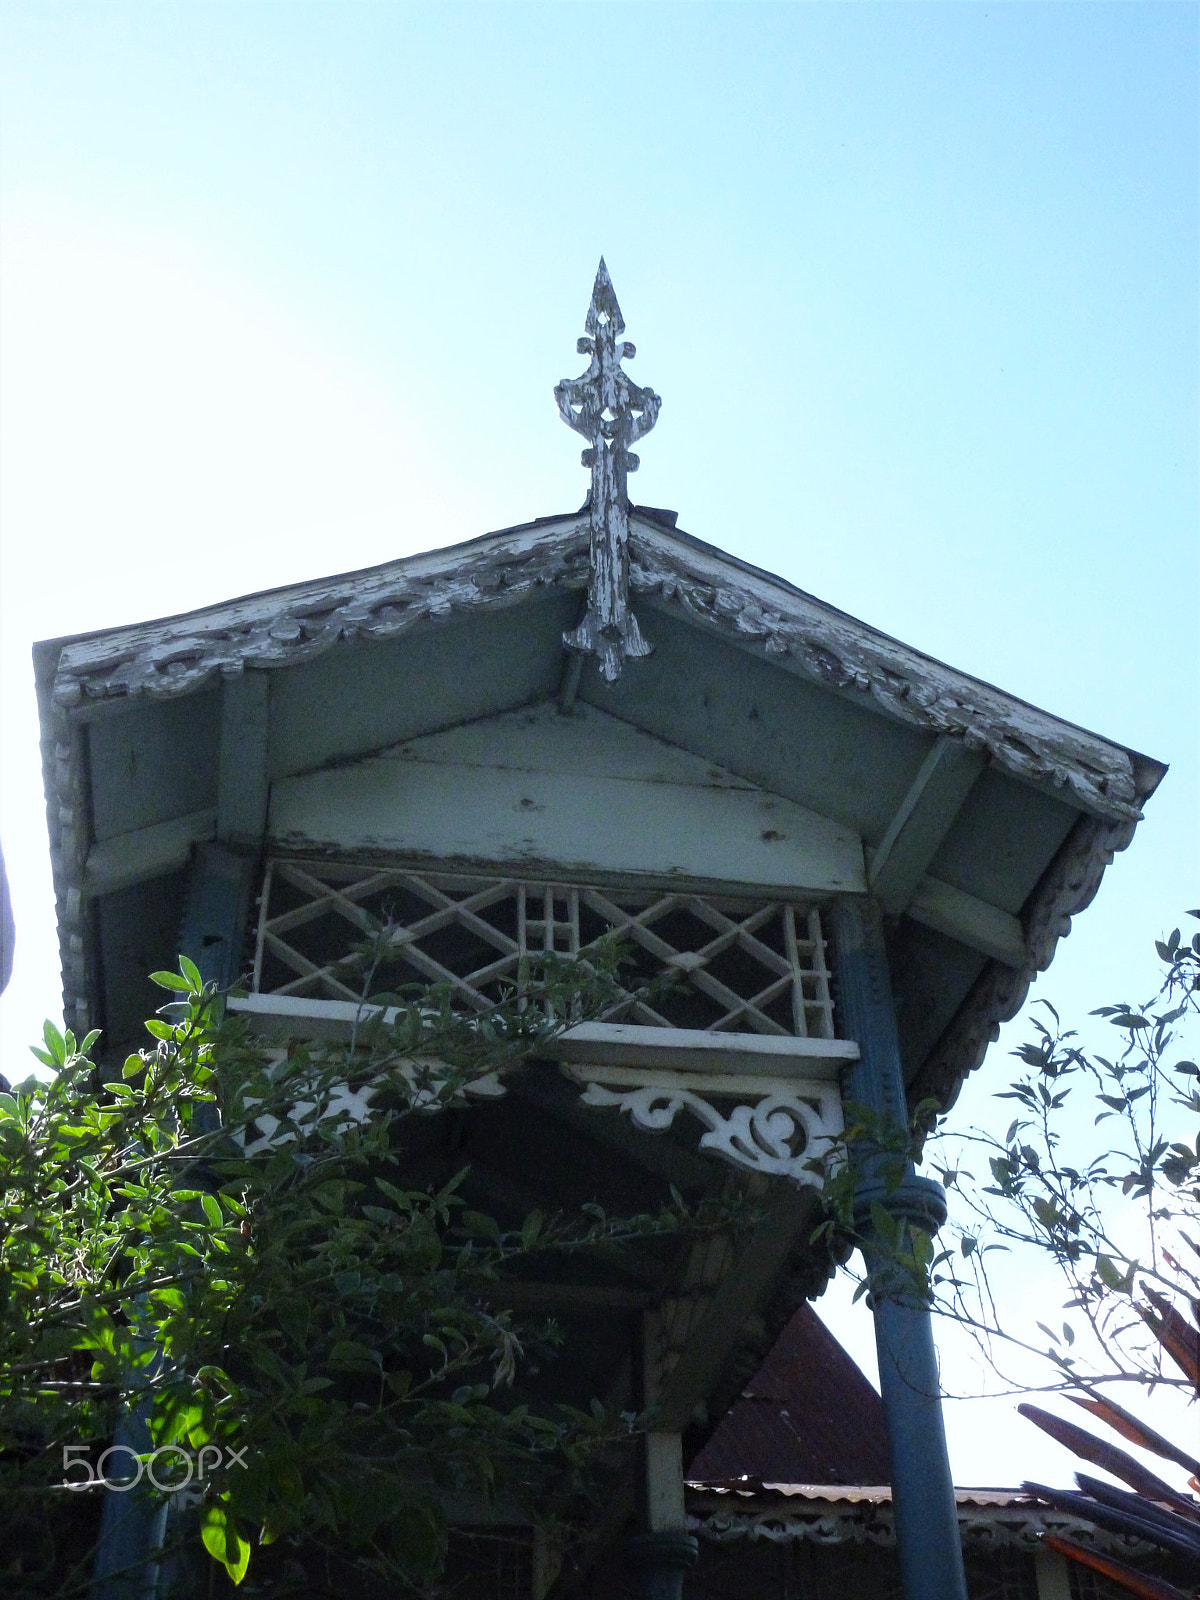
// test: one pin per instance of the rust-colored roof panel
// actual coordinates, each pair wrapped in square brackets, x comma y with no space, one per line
[807,1416]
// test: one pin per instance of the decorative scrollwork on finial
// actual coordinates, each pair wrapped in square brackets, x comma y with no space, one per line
[612,414]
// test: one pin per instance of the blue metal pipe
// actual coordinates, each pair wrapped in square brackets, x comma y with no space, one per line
[927,1536]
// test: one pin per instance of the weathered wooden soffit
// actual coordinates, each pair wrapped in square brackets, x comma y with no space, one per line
[612,414]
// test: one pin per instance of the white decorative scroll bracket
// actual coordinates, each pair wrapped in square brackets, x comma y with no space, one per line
[425,1079]
[779,1126]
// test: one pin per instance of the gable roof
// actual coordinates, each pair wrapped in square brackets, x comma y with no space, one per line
[178,655]
[808,1415]
[985,822]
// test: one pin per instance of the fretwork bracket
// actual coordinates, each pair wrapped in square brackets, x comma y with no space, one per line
[779,1127]
[759,1113]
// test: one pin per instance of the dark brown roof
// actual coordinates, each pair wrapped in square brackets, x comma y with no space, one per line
[807,1416]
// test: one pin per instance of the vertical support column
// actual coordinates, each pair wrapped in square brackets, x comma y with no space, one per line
[133,1524]
[1052,1574]
[927,1536]
[217,911]
[132,1521]
[242,787]
[662,1554]
[664,1483]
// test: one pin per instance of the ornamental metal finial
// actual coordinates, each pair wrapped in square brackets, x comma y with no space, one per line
[613,414]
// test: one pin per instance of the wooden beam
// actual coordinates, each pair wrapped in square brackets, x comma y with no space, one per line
[972,922]
[584,795]
[665,1511]
[684,1049]
[1051,1574]
[242,770]
[922,820]
[592,1043]
[216,912]
[130,858]
[739,1295]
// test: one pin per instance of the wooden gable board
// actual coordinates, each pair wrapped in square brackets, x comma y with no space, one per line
[583,795]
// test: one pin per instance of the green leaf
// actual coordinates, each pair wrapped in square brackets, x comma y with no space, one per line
[348,1352]
[885,1226]
[191,973]
[295,1318]
[223,1542]
[170,980]
[212,1210]
[55,1044]
[160,1030]
[133,1065]
[1108,1273]
[480,1225]
[416,1532]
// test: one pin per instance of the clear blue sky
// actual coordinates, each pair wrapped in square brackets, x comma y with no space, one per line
[286,288]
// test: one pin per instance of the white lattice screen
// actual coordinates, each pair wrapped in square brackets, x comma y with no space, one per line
[748,966]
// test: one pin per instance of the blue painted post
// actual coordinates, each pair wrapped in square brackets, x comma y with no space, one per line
[927,1536]
[133,1522]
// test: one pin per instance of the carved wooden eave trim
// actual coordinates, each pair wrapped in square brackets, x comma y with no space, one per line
[1068,887]
[180,655]
[841,653]
[995,1519]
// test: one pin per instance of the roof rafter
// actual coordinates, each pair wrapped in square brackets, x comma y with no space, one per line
[921,821]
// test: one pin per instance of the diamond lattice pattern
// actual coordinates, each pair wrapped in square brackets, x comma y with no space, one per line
[747,966]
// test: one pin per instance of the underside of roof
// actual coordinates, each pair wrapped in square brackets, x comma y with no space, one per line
[981,823]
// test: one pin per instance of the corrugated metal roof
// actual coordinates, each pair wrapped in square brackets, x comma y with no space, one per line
[874,1494]
[808,1416]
